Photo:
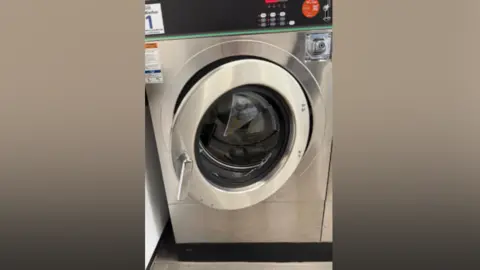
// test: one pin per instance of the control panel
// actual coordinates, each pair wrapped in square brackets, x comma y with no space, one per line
[188,17]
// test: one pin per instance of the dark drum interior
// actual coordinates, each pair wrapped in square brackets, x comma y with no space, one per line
[242,136]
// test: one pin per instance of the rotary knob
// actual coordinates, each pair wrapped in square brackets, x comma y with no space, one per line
[319,46]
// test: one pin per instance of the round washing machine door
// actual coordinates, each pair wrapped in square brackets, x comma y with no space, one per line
[239,134]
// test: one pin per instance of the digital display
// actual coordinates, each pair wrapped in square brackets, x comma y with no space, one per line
[275,1]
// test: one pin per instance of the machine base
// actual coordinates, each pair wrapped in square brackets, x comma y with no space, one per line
[255,252]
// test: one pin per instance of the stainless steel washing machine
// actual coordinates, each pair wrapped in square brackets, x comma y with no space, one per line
[243,123]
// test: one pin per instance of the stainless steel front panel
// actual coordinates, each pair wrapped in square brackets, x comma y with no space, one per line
[327,231]
[295,212]
[264,222]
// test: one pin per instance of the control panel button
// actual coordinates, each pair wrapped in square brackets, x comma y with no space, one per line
[263,24]
[282,13]
[263,15]
[272,24]
[282,23]
[291,22]
[273,14]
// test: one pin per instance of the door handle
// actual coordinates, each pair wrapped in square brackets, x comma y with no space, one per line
[183,183]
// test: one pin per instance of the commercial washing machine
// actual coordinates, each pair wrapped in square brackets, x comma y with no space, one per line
[242,113]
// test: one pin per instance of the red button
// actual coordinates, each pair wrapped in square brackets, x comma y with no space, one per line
[310,8]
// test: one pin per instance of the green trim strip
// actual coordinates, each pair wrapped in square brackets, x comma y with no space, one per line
[252,32]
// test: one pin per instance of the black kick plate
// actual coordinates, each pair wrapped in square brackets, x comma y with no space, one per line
[255,252]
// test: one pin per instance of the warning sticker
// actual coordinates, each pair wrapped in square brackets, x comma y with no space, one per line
[310,8]
[153,67]
[154,20]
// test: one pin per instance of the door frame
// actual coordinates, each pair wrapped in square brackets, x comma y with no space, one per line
[199,99]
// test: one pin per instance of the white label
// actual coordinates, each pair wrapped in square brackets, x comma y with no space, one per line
[153,66]
[153,20]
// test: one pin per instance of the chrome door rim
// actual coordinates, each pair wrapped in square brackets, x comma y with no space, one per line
[207,153]
[193,107]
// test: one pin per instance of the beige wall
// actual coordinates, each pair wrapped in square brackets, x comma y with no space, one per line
[72,133]
[407,133]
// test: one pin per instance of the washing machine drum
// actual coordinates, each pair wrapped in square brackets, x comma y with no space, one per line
[236,139]
[242,135]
